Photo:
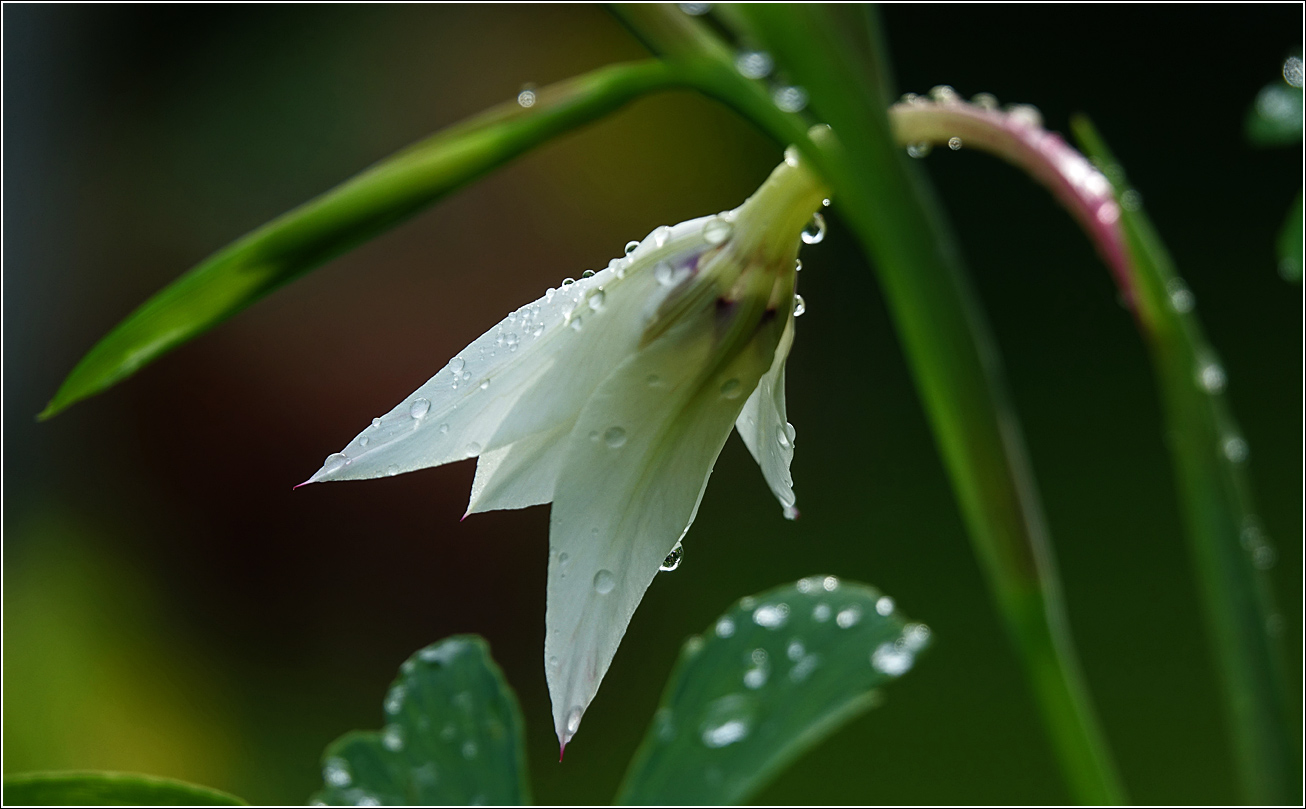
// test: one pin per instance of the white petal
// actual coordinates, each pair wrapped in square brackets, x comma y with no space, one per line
[521,474]
[763,421]
[548,356]
[638,461]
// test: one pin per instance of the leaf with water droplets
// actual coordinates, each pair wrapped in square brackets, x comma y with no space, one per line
[452,735]
[108,789]
[768,680]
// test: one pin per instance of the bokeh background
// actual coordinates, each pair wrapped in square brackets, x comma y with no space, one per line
[171,607]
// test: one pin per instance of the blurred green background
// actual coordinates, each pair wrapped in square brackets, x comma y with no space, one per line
[171,607]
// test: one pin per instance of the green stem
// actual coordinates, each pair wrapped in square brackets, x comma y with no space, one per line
[1224,535]
[947,342]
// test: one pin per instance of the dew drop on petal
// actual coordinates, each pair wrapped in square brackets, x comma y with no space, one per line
[362,442]
[731,389]
[391,470]
[716,230]
[954,143]
[444,429]
[800,305]
[771,616]
[526,98]
[566,282]
[485,383]
[884,605]
[1293,71]
[473,449]
[986,101]
[660,235]
[456,365]
[664,273]
[573,719]
[333,462]
[1181,297]
[614,437]
[596,300]
[376,422]
[815,230]
[1235,449]
[589,273]
[725,628]
[673,559]
[631,247]
[604,581]
[393,738]
[919,149]
[782,437]
[798,265]
[821,613]
[419,408]
[830,583]
[335,772]
[1211,377]
[695,9]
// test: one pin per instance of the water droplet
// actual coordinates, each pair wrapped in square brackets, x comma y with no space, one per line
[604,581]
[771,616]
[756,678]
[848,616]
[573,720]
[526,98]
[444,429]
[782,437]
[795,650]
[891,659]
[566,282]
[1235,449]
[394,700]
[1026,115]
[333,462]
[729,720]
[553,661]
[954,143]
[563,559]
[393,738]
[725,628]
[944,94]
[821,613]
[800,305]
[986,101]
[884,605]
[469,750]
[790,513]
[1181,298]
[1293,70]
[754,64]
[588,273]
[673,559]
[631,247]
[392,470]
[335,771]
[747,602]
[919,149]
[614,437]
[653,380]
[830,583]
[660,235]
[473,449]
[596,300]
[789,99]
[716,230]
[576,324]
[803,668]
[376,422]
[915,636]
[731,389]
[419,408]
[1211,377]
[362,442]
[664,273]
[456,365]
[798,265]
[815,230]
[695,9]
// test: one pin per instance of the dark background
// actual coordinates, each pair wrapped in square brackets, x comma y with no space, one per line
[171,607]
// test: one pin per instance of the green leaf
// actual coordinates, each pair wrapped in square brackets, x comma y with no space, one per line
[453,735]
[770,679]
[345,217]
[1229,549]
[1290,243]
[108,789]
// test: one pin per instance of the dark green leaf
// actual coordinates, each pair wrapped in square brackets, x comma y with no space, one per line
[108,789]
[348,215]
[771,678]
[1290,243]
[453,735]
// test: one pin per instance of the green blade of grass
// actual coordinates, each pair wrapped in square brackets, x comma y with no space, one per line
[346,216]
[1209,456]
[948,344]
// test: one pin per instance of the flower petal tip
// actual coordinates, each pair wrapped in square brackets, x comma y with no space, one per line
[297,485]
[562,750]
[792,513]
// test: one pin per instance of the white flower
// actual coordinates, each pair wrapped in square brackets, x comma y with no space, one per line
[611,397]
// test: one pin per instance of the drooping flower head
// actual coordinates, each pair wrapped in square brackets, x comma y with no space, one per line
[611,397]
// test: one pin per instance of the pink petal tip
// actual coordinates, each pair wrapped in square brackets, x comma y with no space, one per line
[562,750]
